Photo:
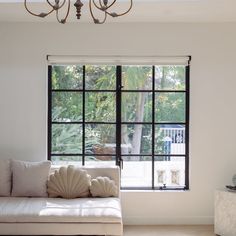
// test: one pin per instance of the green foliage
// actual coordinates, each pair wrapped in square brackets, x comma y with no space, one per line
[67,106]
[67,77]
[66,138]
[170,77]
[101,106]
[170,107]
[136,78]
[100,77]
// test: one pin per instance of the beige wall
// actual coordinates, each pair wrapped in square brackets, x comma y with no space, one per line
[23,100]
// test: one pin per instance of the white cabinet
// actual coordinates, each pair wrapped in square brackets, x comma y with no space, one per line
[225,213]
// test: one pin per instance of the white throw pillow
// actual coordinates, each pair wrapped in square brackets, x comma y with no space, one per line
[69,182]
[5,178]
[103,187]
[29,179]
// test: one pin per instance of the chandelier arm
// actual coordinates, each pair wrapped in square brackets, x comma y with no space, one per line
[100,2]
[111,4]
[105,17]
[34,14]
[91,11]
[63,21]
[103,7]
[99,8]
[57,16]
[59,7]
[68,11]
[121,14]
[50,3]
[96,21]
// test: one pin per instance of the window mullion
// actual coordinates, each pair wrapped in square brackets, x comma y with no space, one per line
[49,111]
[153,126]
[118,115]
[83,119]
[187,76]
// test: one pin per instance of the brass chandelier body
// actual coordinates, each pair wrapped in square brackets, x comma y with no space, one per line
[101,5]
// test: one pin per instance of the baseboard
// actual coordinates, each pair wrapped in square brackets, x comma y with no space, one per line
[199,220]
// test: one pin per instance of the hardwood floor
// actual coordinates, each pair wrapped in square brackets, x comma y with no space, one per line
[188,230]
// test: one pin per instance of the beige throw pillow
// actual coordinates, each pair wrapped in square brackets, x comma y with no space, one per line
[30,178]
[5,178]
[103,187]
[69,182]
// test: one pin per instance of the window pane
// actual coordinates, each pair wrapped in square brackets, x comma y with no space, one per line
[100,77]
[67,106]
[67,77]
[136,172]
[100,161]
[100,106]
[137,77]
[136,139]
[67,160]
[66,138]
[170,139]
[169,171]
[86,117]
[136,107]
[170,107]
[100,139]
[170,77]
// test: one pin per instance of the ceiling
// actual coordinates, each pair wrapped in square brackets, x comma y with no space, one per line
[142,11]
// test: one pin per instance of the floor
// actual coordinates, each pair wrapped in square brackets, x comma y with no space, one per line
[188,230]
[199,230]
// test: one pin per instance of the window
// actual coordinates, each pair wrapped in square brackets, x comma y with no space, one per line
[135,116]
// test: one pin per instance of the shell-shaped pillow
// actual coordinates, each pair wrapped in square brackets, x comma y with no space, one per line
[103,187]
[69,182]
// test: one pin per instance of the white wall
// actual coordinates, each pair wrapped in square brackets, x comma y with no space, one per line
[23,99]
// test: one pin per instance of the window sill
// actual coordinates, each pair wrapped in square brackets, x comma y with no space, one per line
[153,191]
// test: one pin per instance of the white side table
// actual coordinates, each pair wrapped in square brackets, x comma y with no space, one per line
[225,213]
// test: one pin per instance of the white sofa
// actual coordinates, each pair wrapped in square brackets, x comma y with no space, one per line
[57,216]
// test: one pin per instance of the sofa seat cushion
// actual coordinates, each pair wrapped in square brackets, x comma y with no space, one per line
[58,210]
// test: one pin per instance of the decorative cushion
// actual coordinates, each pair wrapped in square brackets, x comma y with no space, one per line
[69,182]
[103,187]
[30,178]
[5,178]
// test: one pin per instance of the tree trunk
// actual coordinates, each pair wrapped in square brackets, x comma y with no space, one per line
[137,137]
[163,78]
[124,133]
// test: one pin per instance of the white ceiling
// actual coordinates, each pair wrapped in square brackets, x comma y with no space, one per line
[143,11]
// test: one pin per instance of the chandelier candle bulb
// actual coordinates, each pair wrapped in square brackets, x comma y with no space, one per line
[103,6]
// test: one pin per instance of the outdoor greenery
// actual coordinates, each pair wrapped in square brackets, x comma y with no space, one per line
[100,106]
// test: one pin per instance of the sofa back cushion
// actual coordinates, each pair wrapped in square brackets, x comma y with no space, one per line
[5,178]
[29,179]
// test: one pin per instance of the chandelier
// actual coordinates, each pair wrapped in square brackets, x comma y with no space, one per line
[104,6]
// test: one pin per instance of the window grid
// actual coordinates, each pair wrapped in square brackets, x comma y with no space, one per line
[119,91]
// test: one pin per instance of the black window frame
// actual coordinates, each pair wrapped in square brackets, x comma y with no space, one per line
[118,122]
